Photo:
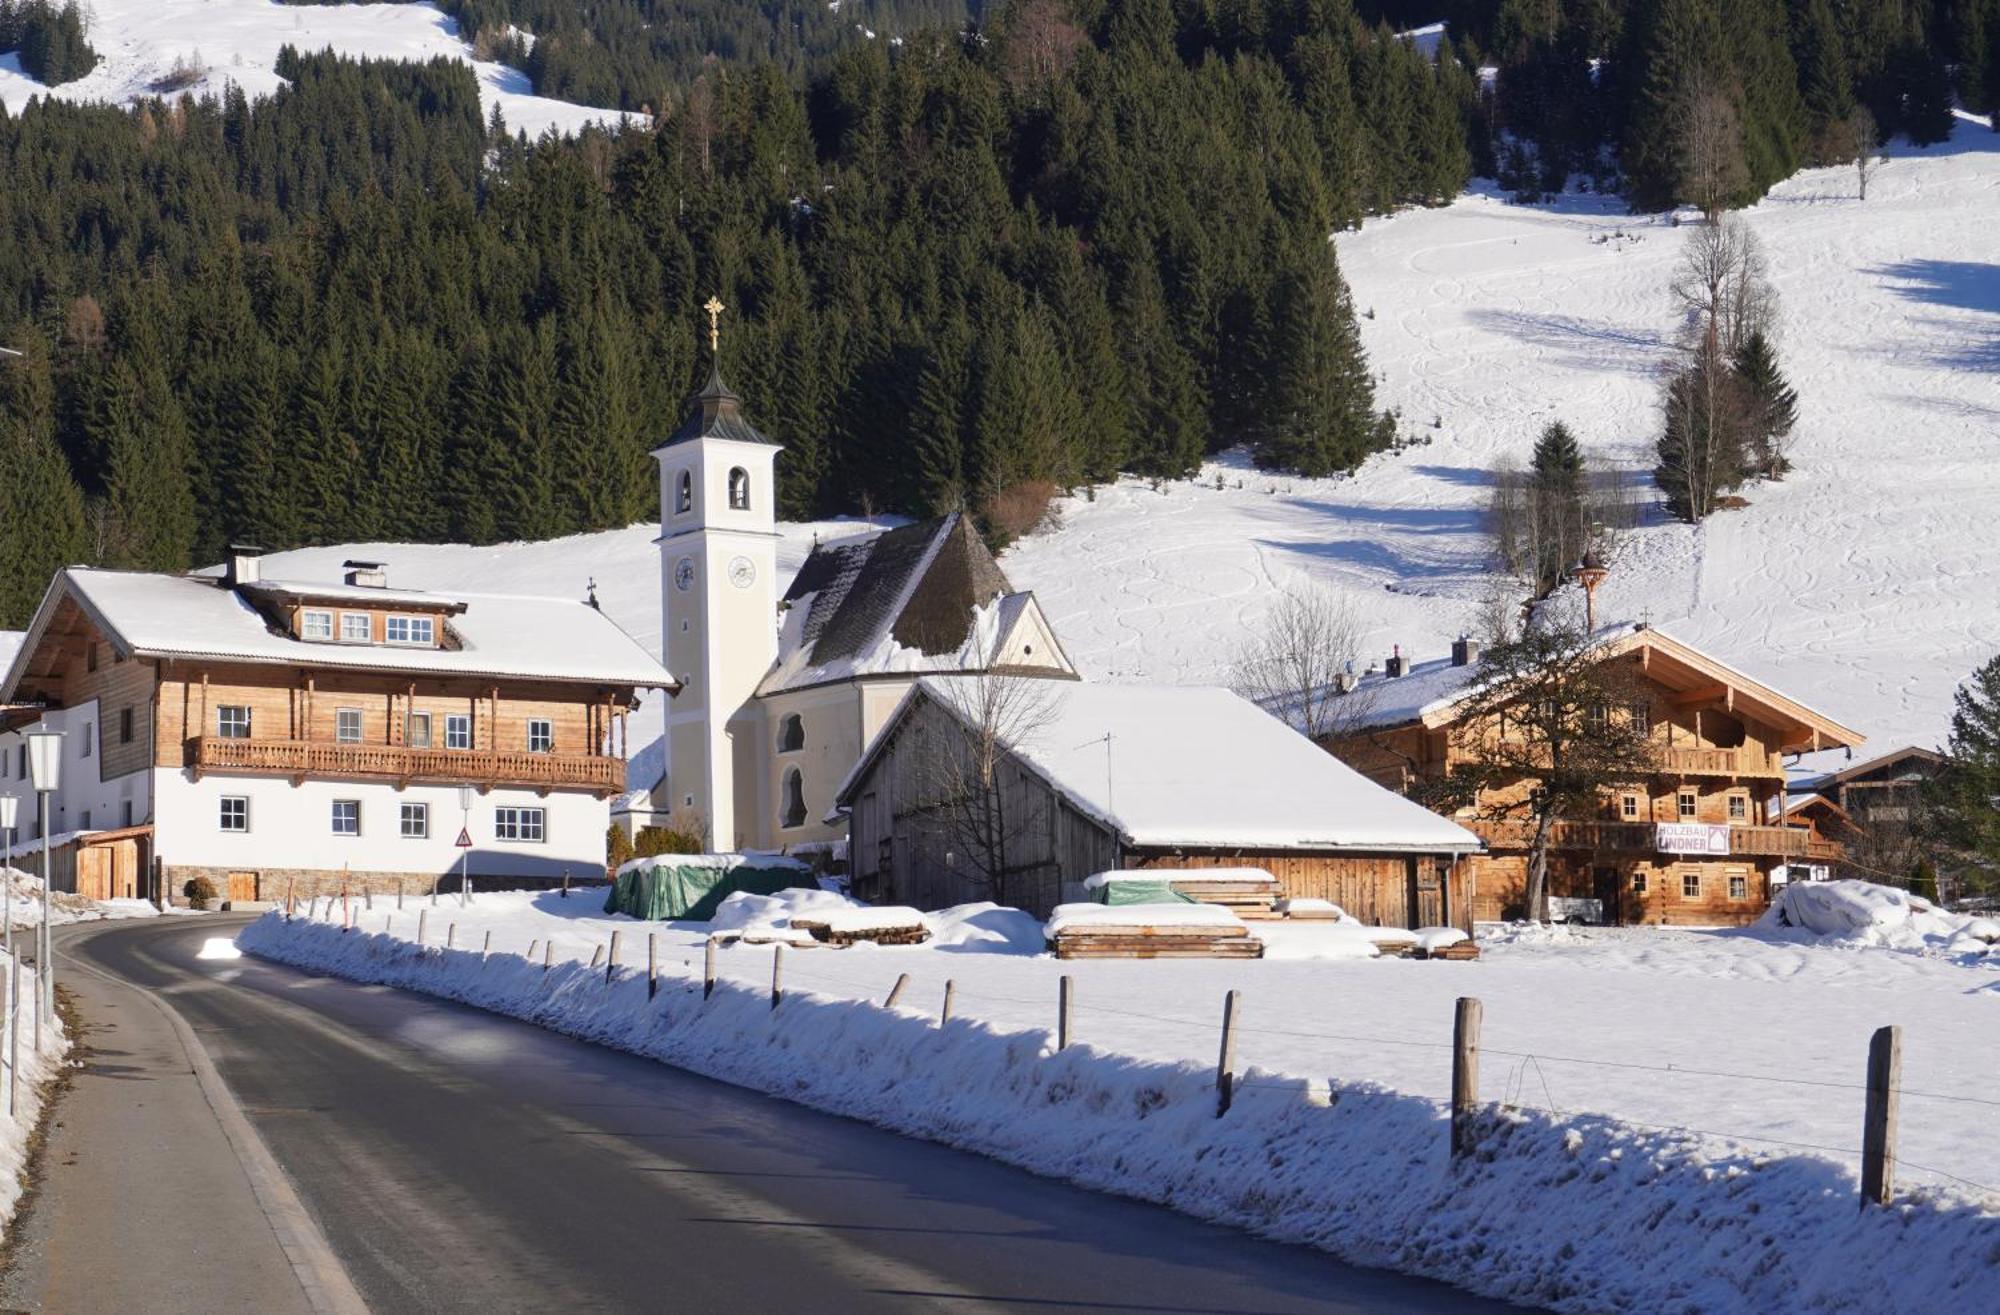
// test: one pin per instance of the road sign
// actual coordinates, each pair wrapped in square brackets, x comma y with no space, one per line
[464,840]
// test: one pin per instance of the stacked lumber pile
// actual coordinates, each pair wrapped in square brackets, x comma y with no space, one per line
[884,926]
[1149,931]
[1464,950]
[1246,892]
[1309,910]
[1445,943]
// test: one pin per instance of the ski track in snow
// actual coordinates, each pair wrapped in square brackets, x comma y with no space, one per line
[140,41]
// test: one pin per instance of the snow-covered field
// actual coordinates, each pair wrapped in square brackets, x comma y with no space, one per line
[1684,1107]
[142,42]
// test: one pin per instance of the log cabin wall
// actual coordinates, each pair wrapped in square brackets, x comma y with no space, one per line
[94,671]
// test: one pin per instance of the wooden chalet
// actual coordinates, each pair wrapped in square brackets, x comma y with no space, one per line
[1140,777]
[1695,843]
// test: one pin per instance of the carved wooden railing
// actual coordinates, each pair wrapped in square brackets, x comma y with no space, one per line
[1718,762]
[1640,837]
[481,767]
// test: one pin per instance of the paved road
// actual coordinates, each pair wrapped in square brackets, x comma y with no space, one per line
[457,1161]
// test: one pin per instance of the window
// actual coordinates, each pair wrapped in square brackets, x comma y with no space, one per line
[347,725]
[1628,807]
[1739,886]
[417,734]
[1598,716]
[541,735]
[356,628]
[89,738]
[684,498]
[90,657]
[525,824]
[347,817]
[458,731]
[232,722]
[23,772]
[416,821]
[235,813]
[791,734]
[1642,719]
[125,813]
[85,825]
[315,625]
[1638,883]
[1739,808]
[124,725]
[411,629]
[1688,799]
[1690,884]
[794,813]
[739,489]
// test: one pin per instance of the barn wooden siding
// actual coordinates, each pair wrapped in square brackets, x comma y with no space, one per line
[900,853]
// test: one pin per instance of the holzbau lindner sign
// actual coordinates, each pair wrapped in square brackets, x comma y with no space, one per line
[1691,838]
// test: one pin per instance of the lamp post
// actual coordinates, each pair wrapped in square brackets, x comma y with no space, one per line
[10,808]
[464,851]
[45,772]
[10,811]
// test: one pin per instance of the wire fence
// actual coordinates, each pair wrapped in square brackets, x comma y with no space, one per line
[1525,1085]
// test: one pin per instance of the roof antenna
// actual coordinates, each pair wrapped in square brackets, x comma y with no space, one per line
[590,594]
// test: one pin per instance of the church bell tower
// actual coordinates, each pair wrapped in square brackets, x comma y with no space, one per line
[718,577]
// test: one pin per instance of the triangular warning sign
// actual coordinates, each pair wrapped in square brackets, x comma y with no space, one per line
[464,840]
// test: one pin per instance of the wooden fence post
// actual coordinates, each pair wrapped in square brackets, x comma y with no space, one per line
[1225,1064]
[368,898]
[1065,1004]
[596,956]
[423,920]
[388,924]
[486,948]
[399,894]
[450,935]
[288,899]
[1464,1077]
[949,989]
[565,891]
[652,964]
[533,945]
[548,953]
[896,991]
[708,970]
[611,959]
[777,973]
[1878,1131]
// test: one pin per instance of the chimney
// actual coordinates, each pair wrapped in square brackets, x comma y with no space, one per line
[367,575]
[242,566]
[1464,652]
[1395,666]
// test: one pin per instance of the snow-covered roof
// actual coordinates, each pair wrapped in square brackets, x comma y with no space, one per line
[499,635]
[1168,766]
[1429,692]
[315,591]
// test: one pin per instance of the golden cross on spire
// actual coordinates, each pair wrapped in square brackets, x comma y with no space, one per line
[714,307]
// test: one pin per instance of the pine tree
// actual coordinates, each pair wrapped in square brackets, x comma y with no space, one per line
[1826,82]
[1559,524]
[1321,417]
[1166,405]
[940,426]
[149,512]
[1959,815]
[38,496]
[1771,402]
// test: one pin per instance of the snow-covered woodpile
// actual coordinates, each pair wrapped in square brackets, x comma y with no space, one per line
[1149,931]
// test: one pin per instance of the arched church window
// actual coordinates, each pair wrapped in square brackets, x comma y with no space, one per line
[684,499]
[739,489]
[791,734]
[794,813]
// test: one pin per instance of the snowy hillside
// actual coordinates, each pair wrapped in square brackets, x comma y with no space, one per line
[142,42]
[1861,583]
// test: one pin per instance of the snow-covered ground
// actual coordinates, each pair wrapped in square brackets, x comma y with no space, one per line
[1685,1107]
[143,42]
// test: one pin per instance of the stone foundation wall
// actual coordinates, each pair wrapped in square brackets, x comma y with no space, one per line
[274,884]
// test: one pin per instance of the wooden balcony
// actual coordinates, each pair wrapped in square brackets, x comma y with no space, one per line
[485,768]
[1638,838]
[1718,762]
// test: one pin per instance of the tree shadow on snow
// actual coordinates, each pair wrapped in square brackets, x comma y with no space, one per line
[1595,344]
[1959,285]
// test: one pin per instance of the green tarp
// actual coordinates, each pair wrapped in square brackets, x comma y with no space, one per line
[1140,892]
[694,891]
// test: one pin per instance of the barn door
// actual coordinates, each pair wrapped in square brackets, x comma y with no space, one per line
[242,886]
[93,872]
[124,869]
[1426,894]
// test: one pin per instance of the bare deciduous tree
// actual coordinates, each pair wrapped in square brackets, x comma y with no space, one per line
[1039,43]
[1863,140]
[959,785]
[1723,287]
[1708,139]
[1300,663]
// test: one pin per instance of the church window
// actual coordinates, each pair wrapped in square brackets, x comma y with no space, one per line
[684,499]
[795,800]
[791,734]
[739,489]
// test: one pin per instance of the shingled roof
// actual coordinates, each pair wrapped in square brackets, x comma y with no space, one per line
[918,588]
[716,413]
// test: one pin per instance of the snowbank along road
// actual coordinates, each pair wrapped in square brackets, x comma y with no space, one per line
[460,1161]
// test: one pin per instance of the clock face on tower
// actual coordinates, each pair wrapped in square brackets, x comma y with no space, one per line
[684,574]
[742,572]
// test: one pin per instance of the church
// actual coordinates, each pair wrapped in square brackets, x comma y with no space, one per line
[780,695]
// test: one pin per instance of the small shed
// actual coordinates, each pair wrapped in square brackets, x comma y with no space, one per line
[1017,794]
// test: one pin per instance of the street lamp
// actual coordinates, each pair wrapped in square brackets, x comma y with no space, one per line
[10,810]
[464,850]
[45,773]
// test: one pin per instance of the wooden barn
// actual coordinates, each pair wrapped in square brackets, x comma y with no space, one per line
[1015,790]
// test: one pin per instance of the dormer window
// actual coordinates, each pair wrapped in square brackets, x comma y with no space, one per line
[739,489]
[356,628]
[412,630]
[315,624]
[684,499]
